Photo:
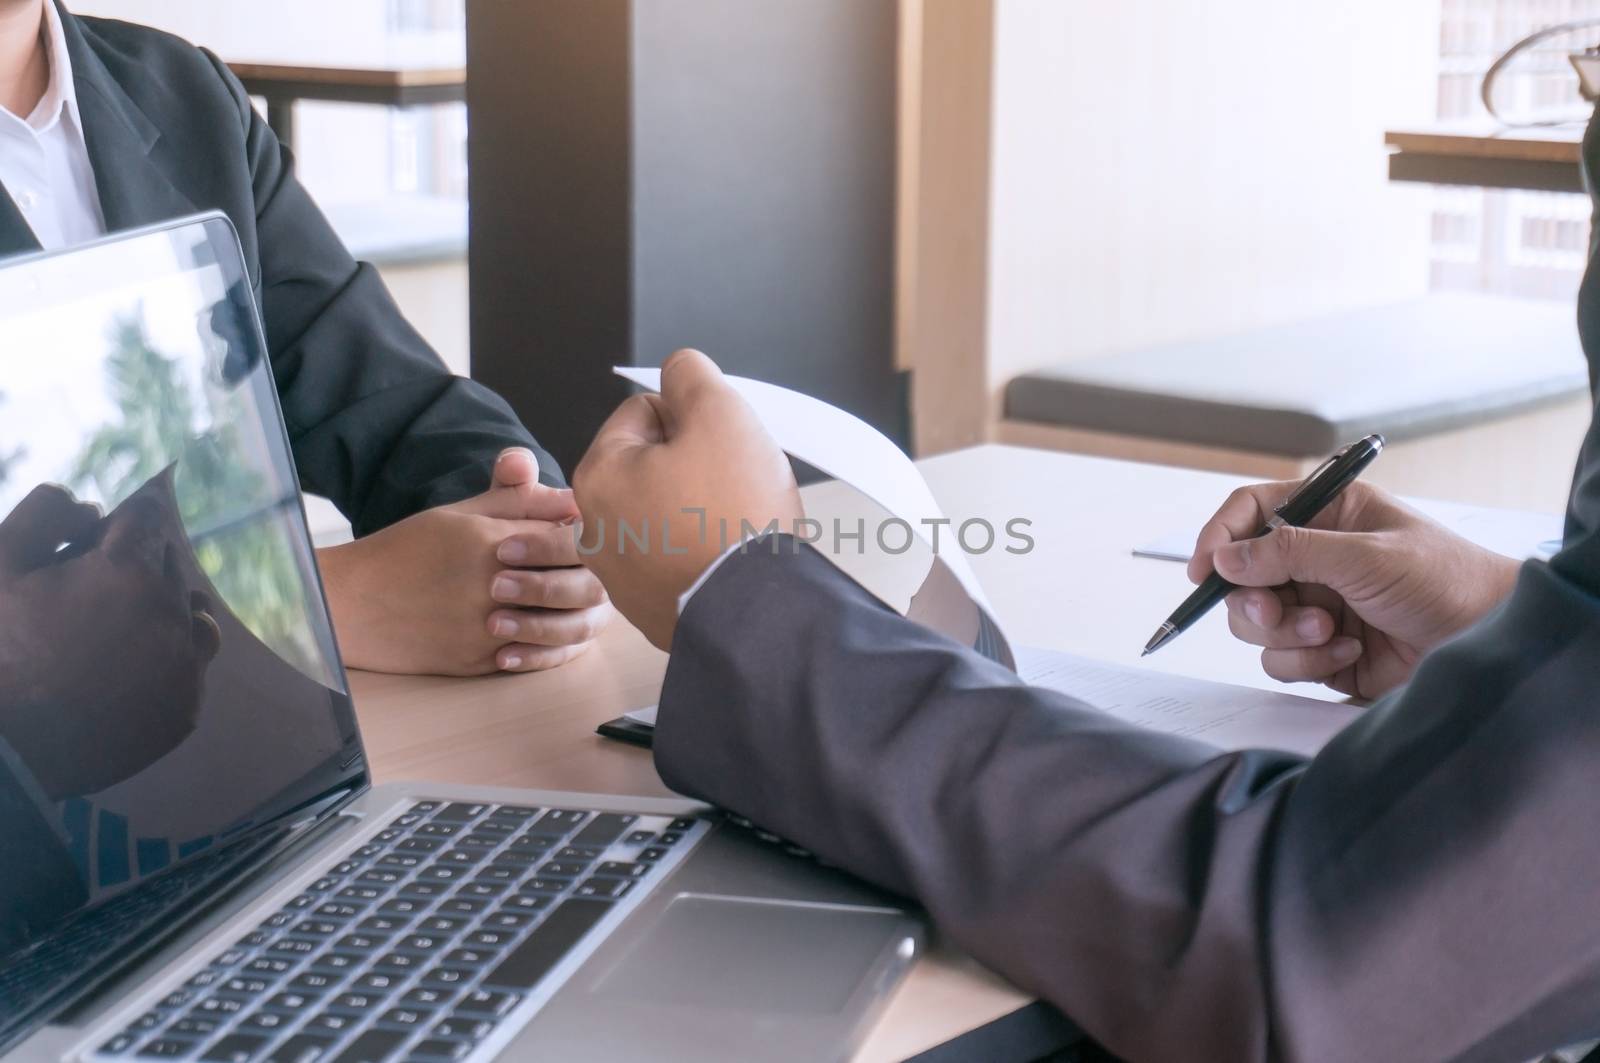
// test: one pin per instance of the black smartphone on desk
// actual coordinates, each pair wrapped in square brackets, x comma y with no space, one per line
[632,732]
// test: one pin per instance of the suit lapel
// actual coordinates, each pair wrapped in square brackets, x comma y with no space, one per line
[133,190]
[16,236]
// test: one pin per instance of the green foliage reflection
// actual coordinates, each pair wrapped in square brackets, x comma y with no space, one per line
[241,538]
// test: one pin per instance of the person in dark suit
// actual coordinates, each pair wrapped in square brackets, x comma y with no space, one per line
[464,561]
[1421,890]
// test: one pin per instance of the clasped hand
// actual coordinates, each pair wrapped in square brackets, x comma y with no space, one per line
[492,583]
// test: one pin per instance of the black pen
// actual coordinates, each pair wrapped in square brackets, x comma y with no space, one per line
[1300,508]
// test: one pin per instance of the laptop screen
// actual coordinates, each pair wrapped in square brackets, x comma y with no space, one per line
[169,685]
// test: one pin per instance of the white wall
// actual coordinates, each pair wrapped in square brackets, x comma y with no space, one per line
[1170,169]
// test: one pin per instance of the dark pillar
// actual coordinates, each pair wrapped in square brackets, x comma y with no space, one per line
[649,175]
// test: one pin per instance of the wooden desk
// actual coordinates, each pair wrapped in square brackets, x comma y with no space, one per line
[1079,590]
[1488,155]
[424,69]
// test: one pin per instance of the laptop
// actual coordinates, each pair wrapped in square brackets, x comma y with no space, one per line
[194,865]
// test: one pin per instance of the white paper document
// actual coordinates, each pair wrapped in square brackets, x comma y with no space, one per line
[1227,716]
[1512,532]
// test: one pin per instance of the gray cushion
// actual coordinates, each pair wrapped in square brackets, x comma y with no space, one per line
[402,230]
[1303,390]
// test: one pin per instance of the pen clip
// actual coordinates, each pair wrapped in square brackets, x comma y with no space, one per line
[1311,479]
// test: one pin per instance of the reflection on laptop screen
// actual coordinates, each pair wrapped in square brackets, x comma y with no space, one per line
[168,678]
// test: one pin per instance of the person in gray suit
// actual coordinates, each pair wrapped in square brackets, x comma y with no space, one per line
[1423,889]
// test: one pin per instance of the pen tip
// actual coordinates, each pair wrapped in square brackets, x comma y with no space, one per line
[1164,633]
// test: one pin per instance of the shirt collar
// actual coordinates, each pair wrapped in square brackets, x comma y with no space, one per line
[61,95]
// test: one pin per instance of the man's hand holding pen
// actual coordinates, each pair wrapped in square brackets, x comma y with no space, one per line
[1354,599]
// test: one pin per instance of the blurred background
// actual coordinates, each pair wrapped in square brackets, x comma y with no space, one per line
[1164,231]
[1515,242]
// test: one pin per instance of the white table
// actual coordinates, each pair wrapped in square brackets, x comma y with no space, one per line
[1079,590]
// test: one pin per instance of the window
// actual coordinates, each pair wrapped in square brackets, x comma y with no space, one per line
[1511,242]
[428,145]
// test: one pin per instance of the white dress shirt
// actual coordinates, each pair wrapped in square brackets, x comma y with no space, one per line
[700,580]
[44,160]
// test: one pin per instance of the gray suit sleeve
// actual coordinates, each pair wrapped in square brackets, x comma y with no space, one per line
[1424,889]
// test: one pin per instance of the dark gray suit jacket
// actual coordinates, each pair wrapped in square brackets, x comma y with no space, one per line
[376,421]
[1424,889]
[1427,888]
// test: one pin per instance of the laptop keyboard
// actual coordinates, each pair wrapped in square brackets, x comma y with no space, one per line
[415,946]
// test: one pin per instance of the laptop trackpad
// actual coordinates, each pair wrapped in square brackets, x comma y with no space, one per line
[774,957]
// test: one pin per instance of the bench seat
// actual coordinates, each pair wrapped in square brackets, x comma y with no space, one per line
[1407,370]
